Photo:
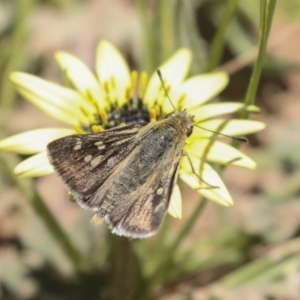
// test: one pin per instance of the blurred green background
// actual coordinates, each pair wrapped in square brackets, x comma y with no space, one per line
[248,251]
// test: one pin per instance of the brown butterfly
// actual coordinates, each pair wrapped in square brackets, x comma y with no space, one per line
[125,174]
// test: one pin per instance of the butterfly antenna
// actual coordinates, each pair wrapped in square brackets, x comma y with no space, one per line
[237,138]
[164,87]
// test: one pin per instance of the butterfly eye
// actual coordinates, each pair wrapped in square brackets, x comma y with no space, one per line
[189,131]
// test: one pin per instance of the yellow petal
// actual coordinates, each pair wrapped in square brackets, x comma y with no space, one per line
[111,65]
[230,127]
[212,186]
[33,141]
[34,166]
[173,71]
[81,77]
[59,102]
[175,205]
[200,89]
[209,111]
[220,153]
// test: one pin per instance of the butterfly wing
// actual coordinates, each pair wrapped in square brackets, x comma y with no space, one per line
[85,161]
[145,210]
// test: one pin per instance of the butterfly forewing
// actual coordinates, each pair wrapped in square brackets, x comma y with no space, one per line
[85,161]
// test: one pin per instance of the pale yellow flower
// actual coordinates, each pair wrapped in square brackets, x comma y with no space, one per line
[94,103]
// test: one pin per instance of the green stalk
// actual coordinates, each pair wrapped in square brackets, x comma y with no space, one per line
[47,217]
[266,16]
[217,45]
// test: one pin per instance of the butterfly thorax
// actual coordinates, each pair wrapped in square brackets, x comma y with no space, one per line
[181,121]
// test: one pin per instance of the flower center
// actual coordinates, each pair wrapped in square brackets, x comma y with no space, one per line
[120,112]
[133,111]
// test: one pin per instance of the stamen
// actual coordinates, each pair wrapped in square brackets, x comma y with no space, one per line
[113,82]
[134,78]
[143,81]
[90,97]
[128,93]
[103,115]
[110,90]
[78,129]
[97,128]
[105,87]
[91,119]
[113,92]
[98,111]
[95,103]
[157,110]
[85,115]
[153,115]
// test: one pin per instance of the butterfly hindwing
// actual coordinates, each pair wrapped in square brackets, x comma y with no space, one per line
[147,208]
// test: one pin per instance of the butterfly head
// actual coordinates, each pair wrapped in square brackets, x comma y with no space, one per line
[184,121]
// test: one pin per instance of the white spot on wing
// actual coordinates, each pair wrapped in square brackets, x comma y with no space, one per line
[95,162]
[88,158]
[159,191]
[77,146]
[100,145]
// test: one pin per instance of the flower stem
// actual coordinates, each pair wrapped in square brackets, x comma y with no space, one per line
[266,16]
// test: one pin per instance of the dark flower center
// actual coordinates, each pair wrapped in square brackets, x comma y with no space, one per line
[134,111]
